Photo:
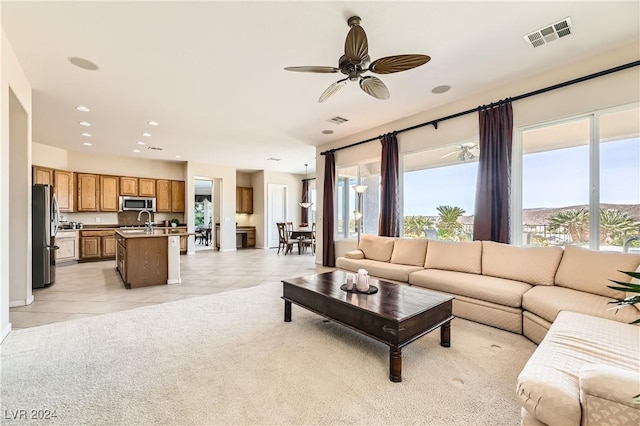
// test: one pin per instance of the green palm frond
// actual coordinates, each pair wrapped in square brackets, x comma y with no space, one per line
[627,288]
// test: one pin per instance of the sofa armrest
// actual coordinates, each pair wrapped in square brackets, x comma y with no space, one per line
[607,392]
[354,254]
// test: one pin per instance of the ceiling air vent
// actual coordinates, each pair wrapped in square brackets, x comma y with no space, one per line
[550,33]
[273,159]
[155,148]
[337,120]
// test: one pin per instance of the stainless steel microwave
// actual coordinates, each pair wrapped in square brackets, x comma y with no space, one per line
[137,204]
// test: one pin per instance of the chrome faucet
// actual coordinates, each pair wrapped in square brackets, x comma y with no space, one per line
[625,246]
[148,224]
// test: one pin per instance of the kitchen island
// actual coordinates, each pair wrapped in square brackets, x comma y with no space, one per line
[149,258]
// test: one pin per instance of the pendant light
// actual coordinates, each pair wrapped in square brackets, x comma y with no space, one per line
[305,205]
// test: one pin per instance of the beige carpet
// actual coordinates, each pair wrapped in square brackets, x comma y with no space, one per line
[230,359]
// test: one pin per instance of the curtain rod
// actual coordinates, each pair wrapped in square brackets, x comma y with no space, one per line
[435,122]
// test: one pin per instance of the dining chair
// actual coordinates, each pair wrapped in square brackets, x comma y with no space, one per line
[289,226]
[310,241]
[284,242]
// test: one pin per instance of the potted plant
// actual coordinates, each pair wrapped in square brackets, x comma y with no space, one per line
[628,301]
[174,222]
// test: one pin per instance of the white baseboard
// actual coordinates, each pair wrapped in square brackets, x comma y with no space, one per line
[175,281]
[4,333]
[233,249]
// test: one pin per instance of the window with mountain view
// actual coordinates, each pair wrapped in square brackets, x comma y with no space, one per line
[439,192]
[562,161]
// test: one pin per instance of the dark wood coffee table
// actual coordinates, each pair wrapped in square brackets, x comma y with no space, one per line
[396,315]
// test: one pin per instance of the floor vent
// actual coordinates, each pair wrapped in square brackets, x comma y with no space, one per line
[550,33]
[338,120]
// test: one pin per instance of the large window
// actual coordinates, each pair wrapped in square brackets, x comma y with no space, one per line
[439,192]
[581,181]
[362,174]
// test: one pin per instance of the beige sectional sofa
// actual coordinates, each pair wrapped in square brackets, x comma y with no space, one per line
[525,290]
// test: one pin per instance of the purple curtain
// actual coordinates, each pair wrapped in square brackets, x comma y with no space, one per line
[389,224]
[491,220]
[328,249]
[304,212]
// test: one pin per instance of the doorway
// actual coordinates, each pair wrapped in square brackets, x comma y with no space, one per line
[277,208]
[204,222]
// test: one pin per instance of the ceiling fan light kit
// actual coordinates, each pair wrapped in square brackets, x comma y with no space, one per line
[355,62]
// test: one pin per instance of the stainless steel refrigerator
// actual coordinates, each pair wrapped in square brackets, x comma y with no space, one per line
[45,221]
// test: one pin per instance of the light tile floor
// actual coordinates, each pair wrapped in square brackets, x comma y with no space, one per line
[87,289]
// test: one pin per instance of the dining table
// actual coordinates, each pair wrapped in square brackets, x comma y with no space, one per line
[301,234]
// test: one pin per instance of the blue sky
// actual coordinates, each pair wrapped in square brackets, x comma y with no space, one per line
[551,179]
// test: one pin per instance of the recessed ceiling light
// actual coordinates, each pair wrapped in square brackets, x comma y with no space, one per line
[327,132]
[145,134]
[141,143]
[85,123]
[86,143]
[440,89]
[85,134]
[178,156]
[83,63]
[152,123]
[136,150]
[82,108]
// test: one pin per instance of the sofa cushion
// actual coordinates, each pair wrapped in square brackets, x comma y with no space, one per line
[547,301]
[409,251]
[490,289]
[533,265]
[548,386]
[376,248]
[590,270]
[354,254]
[389,271]
[453,256]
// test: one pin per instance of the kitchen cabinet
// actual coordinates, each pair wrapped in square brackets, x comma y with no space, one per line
[177,196]
[88,192]
[67,241]
[42,175]
[146,187]
[64,187]
[128,186]
[163,196]
[97,245]
[244,200]
[109,190]
[183,244]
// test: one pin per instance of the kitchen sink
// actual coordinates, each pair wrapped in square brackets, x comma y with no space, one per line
[133,231]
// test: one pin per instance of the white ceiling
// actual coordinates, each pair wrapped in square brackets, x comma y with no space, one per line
[211,73]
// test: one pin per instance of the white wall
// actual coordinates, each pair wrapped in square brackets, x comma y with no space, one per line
[20,292]
[614,89]
[11,76]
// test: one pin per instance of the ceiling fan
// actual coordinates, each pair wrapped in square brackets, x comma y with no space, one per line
[355,62]
[465,151]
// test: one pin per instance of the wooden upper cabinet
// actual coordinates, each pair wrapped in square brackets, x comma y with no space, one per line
[244,200]
[128,186]
[42,175]
[64,187]
[163,196]
[109,190]
[88,187]
[177,196]
[146,187]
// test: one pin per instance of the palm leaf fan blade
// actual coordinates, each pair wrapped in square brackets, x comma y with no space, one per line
[334,88]
[397,63]
[374,87]
[317,69]
[356,47]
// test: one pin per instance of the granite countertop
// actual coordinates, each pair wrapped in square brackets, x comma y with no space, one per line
[157,232]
